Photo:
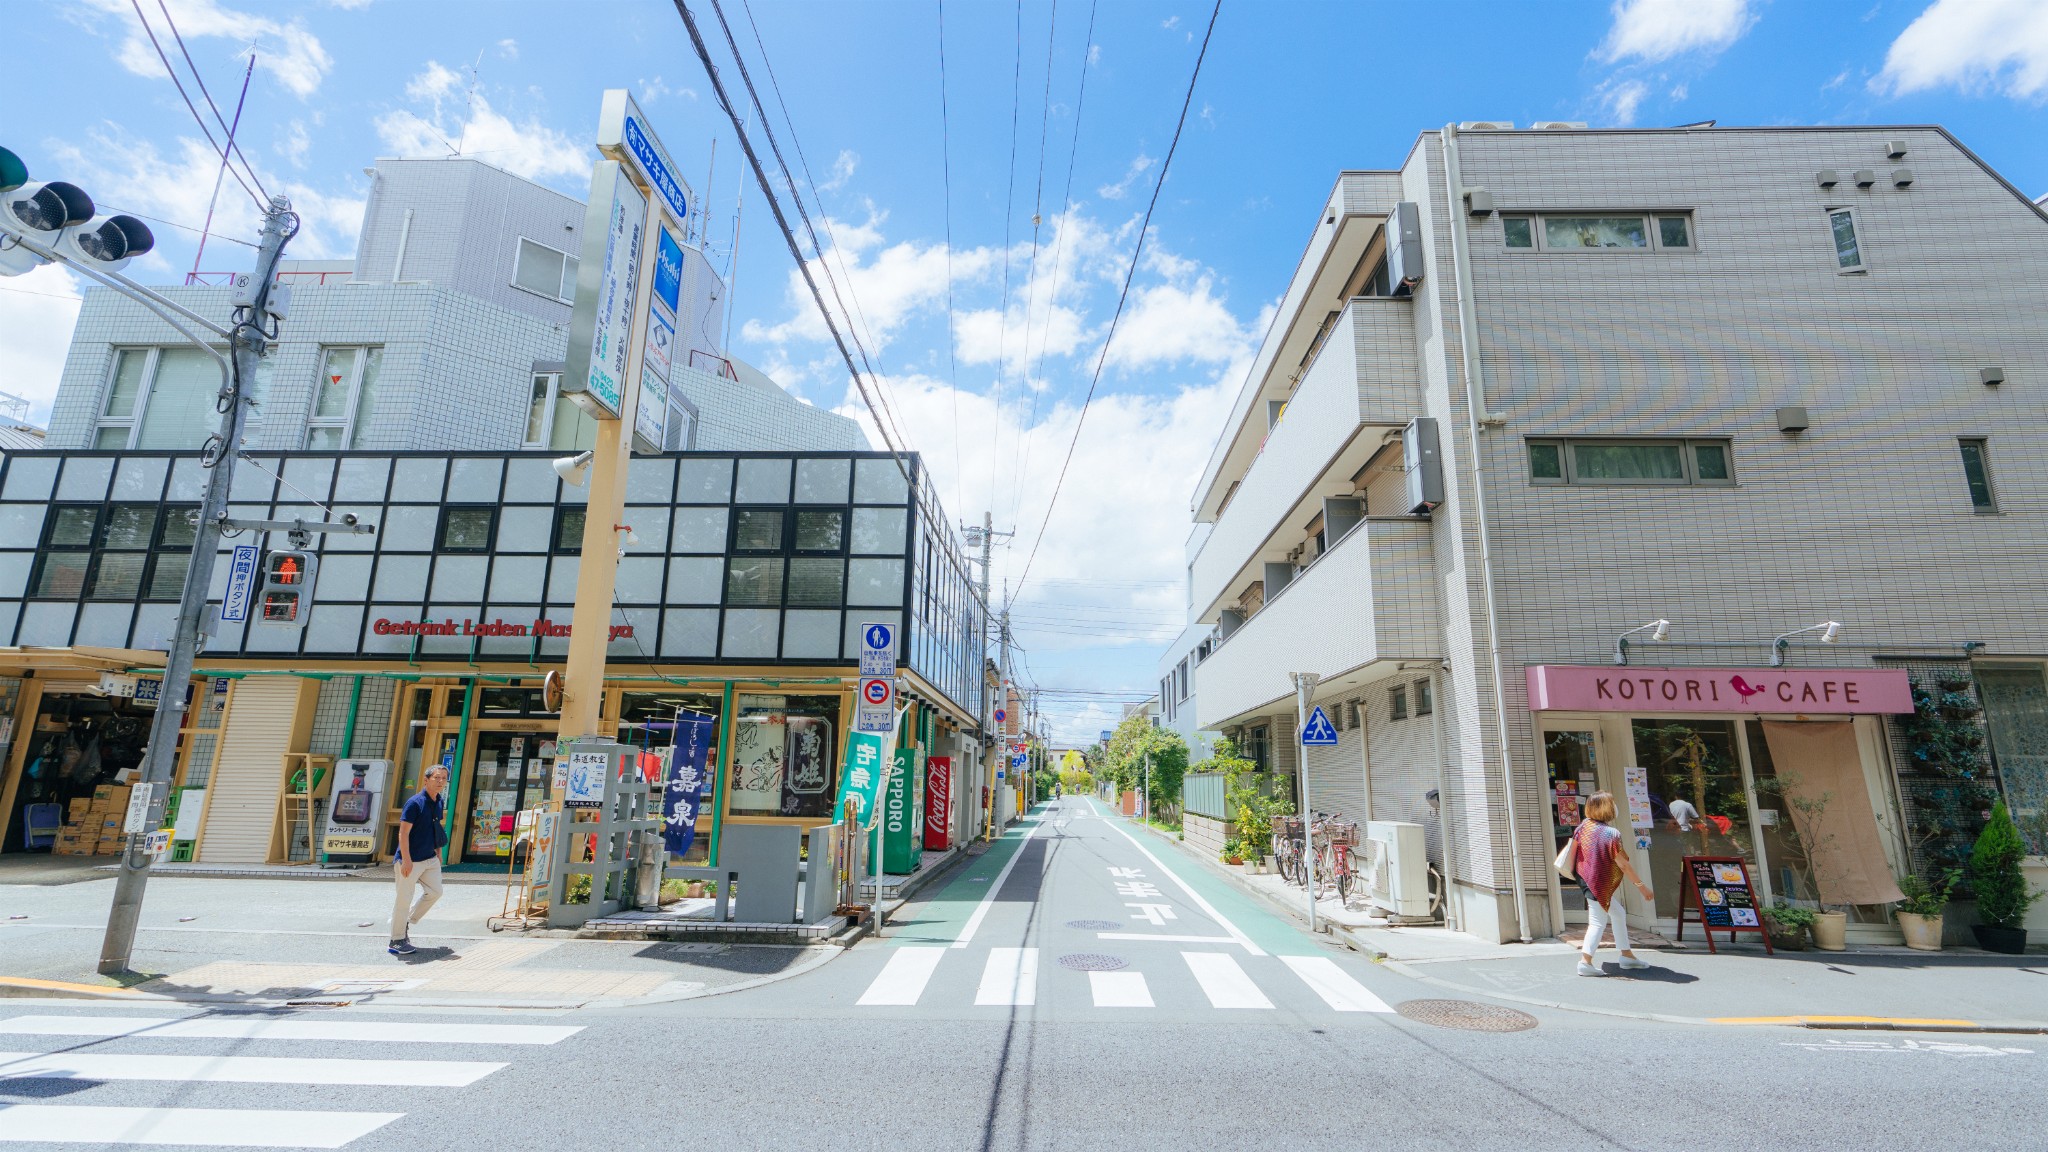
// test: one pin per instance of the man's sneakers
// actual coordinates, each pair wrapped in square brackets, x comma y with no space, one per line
[1586,968]
[401,948]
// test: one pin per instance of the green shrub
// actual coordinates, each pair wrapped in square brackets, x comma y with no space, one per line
[1925,899]
[1789,918]
[2002,893]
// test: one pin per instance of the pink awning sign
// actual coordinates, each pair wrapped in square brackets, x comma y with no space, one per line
[1609,688]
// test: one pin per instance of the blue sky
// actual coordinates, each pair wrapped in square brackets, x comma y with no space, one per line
[1290,94]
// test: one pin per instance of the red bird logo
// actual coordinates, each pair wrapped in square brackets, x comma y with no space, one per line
[1743,687]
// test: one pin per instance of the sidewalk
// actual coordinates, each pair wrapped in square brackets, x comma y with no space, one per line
[325,942]
[1959,989]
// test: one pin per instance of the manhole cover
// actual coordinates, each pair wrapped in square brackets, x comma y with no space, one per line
[1091,962]
[1466,1014]
[1096,925]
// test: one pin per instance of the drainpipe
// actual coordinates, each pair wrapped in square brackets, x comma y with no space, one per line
[404,235]
[1475,414]
[1452,919]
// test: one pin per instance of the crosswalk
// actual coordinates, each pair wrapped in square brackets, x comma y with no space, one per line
[1010,977]
[76,1058]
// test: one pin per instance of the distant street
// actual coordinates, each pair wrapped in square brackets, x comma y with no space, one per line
[1079,985]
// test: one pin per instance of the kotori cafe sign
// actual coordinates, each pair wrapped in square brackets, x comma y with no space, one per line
[1855,691]
[467,627]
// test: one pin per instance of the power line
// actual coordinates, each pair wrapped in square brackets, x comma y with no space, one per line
[1137,250]
[262,202]
[1031,276]
[946,169]
[217,117]
[1009,206]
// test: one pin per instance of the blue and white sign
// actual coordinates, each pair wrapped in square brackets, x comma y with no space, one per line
[668,272]
[684,794]
[584,787]
[1020,760]
[234,607]
[148,689]
[878,649]
[1318,732]
[652,161]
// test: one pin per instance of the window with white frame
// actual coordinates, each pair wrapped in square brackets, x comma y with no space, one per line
[1848,247]
[540,408]
[1598,232]
[160,398]
[343,397]
[544,271]
[1633,462]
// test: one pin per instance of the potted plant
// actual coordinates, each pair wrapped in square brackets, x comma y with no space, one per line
[1810,839]
[2002,893]
[1788,926]
[1920,912]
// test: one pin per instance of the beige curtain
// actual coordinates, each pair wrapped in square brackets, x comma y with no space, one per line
[1815,759]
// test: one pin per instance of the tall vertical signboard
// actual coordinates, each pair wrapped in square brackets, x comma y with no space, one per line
[938,807]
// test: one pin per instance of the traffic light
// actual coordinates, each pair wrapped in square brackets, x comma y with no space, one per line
[50,212]
[287,587]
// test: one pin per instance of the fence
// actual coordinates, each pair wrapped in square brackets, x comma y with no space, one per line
[1203,794]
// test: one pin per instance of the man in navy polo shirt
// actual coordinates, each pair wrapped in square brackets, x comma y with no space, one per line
[421,833]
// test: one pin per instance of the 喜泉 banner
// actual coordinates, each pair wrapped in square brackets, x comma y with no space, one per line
[685,791]
[866,752]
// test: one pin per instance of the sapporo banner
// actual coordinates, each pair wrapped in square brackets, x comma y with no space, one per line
[685,792]
[866,752]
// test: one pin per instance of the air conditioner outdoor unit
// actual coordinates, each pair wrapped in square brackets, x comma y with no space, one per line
[1399,876]
[1557,125]
[1487,126]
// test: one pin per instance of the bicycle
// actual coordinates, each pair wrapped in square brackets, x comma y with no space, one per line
[1287,850]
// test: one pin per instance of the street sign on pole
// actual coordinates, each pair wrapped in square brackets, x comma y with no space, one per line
[878,650]
[234,607]
[1311,725]
[875,705]
[1319,732]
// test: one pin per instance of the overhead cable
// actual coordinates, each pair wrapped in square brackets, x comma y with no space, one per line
[262,202]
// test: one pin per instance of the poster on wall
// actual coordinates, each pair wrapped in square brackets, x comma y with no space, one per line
[1567,800]
[583,782]
[1636,783]
[759,742]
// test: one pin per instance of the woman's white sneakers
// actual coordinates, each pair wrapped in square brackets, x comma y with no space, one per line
[1588,969]
[1628,963]
[1631,962]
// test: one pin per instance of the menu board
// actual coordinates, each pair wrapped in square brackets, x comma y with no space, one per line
[1718,889]
[1636,785]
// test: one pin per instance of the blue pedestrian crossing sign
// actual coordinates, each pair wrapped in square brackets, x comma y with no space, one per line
[1318,730]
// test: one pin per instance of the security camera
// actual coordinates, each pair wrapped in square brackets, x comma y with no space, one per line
[107,242]
[348,518]
[41,211]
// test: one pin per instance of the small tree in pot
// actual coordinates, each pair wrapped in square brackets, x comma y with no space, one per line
[2002,893]
[1788,925]
[1920,913]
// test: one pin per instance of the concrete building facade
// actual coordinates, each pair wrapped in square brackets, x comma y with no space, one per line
[1533,389]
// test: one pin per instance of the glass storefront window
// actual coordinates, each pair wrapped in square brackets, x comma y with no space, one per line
[1697,799]
[2016,709]
[785,755]
[495,700]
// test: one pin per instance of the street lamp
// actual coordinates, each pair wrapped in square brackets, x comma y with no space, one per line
[1828,632]
[575,470]
[1658,630]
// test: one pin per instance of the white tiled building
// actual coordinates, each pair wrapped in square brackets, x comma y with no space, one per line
[447,330]
[1744,380]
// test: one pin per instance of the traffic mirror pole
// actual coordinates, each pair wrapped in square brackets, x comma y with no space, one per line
[249,341]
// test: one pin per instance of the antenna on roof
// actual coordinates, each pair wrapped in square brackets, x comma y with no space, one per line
[1698,124]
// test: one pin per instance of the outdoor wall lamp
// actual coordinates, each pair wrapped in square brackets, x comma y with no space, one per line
[1828,632]
[575,469]
[627,538]
[1658,630]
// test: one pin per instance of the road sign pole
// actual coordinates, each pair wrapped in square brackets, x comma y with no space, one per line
[1304,683]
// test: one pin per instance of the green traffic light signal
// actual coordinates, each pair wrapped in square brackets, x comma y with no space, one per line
[13,173]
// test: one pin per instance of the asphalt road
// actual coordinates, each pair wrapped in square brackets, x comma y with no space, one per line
[1197,1020]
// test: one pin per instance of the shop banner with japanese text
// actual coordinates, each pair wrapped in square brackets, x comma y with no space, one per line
[861,782]
[685,792]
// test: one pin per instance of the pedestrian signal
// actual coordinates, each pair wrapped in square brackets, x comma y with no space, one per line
[287,587]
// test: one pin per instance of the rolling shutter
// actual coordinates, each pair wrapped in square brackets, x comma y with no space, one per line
[241,809]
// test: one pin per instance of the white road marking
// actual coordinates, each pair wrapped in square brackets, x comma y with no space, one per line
[1208,909]
[1337,987]
[248,1127]
[1120,990]
[903,978]
[1224,982]
[981,910]
[1127,873]
[1160,937]
[244,1028]
[1009,977]
[1154,913]
[242,1069]
[1136,889]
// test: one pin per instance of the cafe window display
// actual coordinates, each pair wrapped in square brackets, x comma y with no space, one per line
[785,755]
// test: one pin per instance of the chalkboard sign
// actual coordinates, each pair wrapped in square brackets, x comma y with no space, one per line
[1718,890]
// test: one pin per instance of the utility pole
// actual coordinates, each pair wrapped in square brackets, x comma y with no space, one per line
[160,760]
[1304,684]
[985,535]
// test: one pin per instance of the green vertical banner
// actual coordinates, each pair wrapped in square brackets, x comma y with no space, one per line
[861,780]
[903,814]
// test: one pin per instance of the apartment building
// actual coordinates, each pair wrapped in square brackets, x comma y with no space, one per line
[1697,465]
[448,329]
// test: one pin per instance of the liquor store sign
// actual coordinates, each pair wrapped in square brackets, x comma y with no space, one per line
[543,627]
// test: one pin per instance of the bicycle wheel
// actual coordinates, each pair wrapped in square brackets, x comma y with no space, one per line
[1344,875]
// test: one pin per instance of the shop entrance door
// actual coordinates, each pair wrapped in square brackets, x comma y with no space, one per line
[1572,757]
[507,776]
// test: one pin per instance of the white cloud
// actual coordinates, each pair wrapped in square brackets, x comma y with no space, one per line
[1655,30]
[1621,99]
[509,49]
[1122,188]
[37,311]
[648,91]
[1974,45]
[297,142]
[288,51]
[529,149]
[842,171]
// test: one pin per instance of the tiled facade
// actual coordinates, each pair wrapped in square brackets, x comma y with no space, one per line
[1865,517]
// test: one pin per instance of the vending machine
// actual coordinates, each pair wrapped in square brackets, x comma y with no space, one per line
[355,812]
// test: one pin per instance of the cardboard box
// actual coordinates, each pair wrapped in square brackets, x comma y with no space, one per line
[78,806]
[114,793]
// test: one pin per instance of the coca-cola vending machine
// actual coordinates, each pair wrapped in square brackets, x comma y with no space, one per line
[938,803]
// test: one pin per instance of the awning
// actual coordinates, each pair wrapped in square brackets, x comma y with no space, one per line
[82,658]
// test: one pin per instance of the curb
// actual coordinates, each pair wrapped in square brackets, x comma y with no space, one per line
[27,988]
